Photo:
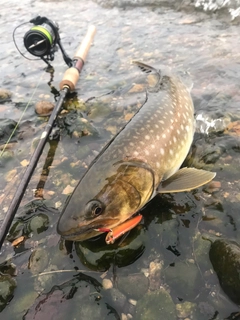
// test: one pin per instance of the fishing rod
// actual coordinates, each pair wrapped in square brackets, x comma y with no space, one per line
[68,83]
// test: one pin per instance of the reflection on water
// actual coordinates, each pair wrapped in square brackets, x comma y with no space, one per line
[166,254]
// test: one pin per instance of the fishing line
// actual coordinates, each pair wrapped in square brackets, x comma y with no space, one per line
[23,113]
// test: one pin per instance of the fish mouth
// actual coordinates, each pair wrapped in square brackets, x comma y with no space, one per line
[87,231]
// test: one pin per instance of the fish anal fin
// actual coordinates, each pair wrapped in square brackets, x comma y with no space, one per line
[186,179]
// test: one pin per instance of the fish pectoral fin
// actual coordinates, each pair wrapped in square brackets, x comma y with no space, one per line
[186,179]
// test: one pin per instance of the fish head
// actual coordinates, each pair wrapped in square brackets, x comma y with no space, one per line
[89,209]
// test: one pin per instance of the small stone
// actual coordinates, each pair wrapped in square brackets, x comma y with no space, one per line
[137,88]
[38,261]
[107,284]
[24,163]
[155,268]
[7,286]
[58,204]
[212,187]
[5,94]
[17,241]
[68,190]
[44,108]
[185,309]
[132,301]
[124,316]
[128,116]
[112,129]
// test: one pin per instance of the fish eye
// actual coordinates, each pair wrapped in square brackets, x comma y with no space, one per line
[97,210]
[94,208]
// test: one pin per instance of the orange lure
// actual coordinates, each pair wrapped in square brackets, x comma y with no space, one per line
[121,229]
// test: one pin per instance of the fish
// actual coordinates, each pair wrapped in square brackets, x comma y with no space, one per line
[143,159]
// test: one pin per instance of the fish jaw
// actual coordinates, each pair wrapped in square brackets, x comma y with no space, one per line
[86,231]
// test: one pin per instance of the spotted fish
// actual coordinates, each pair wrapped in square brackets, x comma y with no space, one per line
[143,159]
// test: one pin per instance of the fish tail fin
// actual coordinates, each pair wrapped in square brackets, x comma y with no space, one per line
[151,71]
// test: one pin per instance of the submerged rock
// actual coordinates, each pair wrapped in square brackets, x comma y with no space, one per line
[5,95]
[184,279]
[225,258]
[44,108]
[156,305]
[6,128]
[134,285]
[7,286]
[38,261]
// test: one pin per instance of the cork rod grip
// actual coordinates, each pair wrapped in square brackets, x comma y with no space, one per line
[83,49]
[71,75]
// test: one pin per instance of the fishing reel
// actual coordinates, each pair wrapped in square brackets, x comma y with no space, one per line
[43,40]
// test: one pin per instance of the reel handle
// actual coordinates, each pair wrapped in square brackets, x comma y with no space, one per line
[71,75]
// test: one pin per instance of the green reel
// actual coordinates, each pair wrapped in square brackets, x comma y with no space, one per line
[42,40]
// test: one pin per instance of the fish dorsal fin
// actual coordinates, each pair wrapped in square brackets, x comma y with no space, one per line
[155,81]
[186,179]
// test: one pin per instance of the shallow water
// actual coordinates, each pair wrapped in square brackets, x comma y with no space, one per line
[204,47]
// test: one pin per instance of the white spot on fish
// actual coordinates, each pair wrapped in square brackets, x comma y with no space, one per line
[158,165]
[135,153]
[147,137]
[164,135]
[146,152]
[153,146]
[162,151]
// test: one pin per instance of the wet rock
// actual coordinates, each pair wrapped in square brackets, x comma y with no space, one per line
[155,305]
[107,284]
[6,128]
[225,258]
[233,128]
[98,111]
[5,95]
[77,126]
[39,223]
[155,269]
[200,251]
[211,124]
[117,298]
[38,261]
[24,302]
[7,286]
[212,187]
[44,108]
[184,279]
[134,285]
[186,309]
[97,255]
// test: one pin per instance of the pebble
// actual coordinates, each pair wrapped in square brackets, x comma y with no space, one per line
[107,284]
[44,108]
[68,190]
[5,94]
[212,187]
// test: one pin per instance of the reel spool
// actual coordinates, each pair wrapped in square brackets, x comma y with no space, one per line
[42,40]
